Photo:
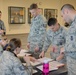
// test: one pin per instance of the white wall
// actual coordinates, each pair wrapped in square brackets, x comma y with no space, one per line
[24,28]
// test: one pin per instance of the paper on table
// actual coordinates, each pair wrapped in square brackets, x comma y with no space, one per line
[24,64]
[52,65]
[23,51]
[56,64]
[23,54]
[45,58]
[51,68]
[34,71]
[35,63]
[39,61]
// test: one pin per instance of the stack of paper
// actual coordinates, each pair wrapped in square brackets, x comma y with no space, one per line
[23,52]
[34,71]
[56,64]
[39,61]
[24,64]
[52,66]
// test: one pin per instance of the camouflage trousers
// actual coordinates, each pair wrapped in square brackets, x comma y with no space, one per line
[71,65]
[36,54]
[32,50]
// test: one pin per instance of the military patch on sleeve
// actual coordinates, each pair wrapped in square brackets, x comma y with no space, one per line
[22,68]
[71,38]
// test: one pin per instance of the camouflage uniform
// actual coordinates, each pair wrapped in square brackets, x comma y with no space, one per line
[55,39]
[11,65]
[2,27]
[37,33]
[70,48]
[1,50]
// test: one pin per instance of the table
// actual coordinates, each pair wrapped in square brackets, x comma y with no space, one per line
[60,71]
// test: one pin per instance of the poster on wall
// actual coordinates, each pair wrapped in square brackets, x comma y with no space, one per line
[16,15]
[49,13]
[30,16]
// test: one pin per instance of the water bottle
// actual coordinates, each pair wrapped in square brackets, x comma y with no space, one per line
[45,67]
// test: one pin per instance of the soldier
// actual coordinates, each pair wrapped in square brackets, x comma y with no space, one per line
[9,62]
[2,32]
[1,50]
[37,31]
[2,27]
[56,37]
[68,13]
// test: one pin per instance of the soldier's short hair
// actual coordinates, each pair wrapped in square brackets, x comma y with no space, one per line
[68,6]
[33,6]
[0,12]
[52,21]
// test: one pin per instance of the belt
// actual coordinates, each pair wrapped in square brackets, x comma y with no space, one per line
[72,54]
